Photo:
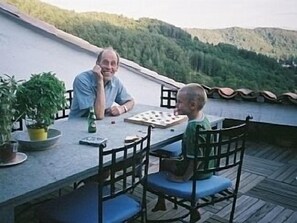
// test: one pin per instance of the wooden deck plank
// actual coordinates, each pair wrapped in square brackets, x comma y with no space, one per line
[205,215]
[217,207]
[292,218]
[229,173]
[292,179]
[264,151]
[215,219]
[293,161]
[288,154]
[279,172]
[247,212]
[284,156]
[263,213]
[288,172]
[169,213]
[275,154]
[269,153]
[242,202]
[249,182]
[276,192]
[260,166]
[284,215]
[253,147]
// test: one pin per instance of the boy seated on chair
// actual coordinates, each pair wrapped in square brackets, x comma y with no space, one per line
[190,100]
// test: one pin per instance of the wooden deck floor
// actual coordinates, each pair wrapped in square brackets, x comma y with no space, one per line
[268,190]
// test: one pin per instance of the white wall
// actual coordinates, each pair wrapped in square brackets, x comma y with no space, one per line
[25,50]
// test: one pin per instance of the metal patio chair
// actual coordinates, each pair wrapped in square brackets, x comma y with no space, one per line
[64,113]
[168,97]
[168,100]
[228,151]
[109,200]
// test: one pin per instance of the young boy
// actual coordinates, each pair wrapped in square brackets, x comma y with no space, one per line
[190,100]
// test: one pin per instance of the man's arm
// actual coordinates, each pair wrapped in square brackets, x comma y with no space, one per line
[99,104]
[123,99]
[128,105]
[120,109]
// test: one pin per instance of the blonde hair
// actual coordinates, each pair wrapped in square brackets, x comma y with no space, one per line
[195,92]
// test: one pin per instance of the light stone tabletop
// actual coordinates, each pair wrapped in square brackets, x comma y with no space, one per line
[67,161]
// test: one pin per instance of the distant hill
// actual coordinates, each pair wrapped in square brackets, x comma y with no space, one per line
[273,42]
[170,50]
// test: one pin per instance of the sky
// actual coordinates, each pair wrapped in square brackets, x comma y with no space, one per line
[207,14]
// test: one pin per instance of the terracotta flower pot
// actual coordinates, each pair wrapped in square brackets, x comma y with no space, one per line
[8,152]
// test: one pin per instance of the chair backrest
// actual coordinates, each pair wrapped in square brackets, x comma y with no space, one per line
[18,125]
[221,148]
[168,97]
[64,113]
[127,168]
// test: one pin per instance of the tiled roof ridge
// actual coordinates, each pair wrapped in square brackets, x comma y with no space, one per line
[214,92]
[243,94]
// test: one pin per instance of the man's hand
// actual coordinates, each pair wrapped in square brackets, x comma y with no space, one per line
[116,110]
[97,71]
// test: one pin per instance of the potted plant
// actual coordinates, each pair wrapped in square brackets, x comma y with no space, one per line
[8,88]
[38,100]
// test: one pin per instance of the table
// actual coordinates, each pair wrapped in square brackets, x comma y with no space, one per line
[68,161]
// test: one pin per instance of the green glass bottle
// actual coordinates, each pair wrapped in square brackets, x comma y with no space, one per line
[92,121]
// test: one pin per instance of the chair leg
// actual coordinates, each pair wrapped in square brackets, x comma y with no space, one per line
[233,209]
[195,216]
[160,164]
[175,205]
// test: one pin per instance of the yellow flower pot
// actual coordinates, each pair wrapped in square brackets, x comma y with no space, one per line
[37,134]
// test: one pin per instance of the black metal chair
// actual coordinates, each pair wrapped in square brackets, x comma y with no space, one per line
[108,200]
[228,151]
[168,97]
[18,125]
[168,100]
[64,113]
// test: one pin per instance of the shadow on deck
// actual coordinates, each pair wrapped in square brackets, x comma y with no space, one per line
[268,190]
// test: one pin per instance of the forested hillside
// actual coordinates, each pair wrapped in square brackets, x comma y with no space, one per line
[277,43]
[169,50]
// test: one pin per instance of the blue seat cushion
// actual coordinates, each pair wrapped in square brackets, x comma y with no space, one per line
[171,150]
[81,206]
[158,181]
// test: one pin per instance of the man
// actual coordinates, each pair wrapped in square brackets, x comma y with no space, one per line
[100,88]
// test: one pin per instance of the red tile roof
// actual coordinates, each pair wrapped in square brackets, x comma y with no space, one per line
[249,95]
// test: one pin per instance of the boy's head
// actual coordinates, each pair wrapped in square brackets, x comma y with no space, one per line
[190,99]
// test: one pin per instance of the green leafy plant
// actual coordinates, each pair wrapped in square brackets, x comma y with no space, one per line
[40,98]
[8,89]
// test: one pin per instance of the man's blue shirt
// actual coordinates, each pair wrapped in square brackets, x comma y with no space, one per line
[85,91]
